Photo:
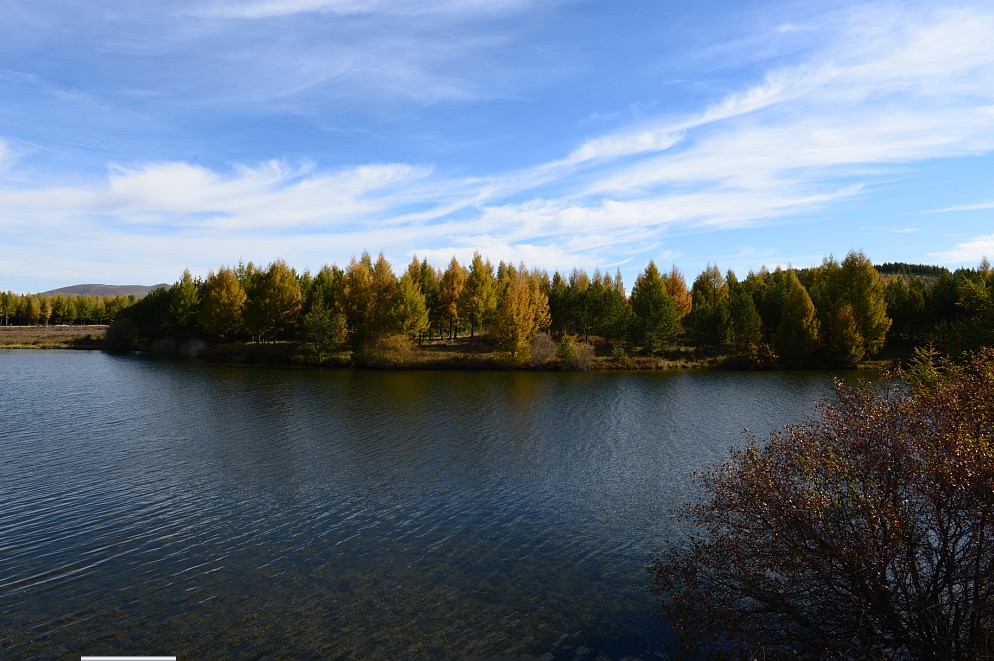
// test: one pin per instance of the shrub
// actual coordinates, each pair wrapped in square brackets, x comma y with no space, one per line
[388,351]
[866,533]
[542,350]
[573,355]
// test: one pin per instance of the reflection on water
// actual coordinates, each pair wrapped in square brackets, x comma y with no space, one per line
[207,511]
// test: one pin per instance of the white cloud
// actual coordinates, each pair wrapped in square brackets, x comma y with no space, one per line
[979,206]
[272,8]
[967,253]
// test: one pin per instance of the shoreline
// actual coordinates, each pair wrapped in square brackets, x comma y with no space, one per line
[461,354]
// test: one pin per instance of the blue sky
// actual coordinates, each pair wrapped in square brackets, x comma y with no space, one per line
[139,138]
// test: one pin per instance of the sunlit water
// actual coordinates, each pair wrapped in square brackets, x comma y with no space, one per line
[203,511]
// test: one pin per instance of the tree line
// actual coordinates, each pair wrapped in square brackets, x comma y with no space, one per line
[836,314]
[35,309]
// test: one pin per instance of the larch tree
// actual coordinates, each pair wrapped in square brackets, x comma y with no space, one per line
[359,294]
[451,286]
[478,299]
[654,314]
[676,287]
[184,305]
[384,286]
[222,304]
[796,338]
[408,311]
[709,321]
[852,308]
[283,297]
[520,314]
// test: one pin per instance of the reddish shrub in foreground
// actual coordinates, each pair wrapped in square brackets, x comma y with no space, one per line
[866,533]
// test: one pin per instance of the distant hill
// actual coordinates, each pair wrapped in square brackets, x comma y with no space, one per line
[104,290]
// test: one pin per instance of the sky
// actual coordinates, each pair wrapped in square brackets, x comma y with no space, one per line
[138,139]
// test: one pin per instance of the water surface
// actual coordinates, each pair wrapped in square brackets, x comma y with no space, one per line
[151,507]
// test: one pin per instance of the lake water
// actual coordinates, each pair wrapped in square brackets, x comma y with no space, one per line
[203,511]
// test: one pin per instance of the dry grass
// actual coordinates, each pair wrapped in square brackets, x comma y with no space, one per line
[52,337]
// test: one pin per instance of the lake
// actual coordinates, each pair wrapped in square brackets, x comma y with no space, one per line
[206,511]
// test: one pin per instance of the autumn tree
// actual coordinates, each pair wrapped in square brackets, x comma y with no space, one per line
[796,338]
[451,286]
[274,300]
[521,312]
[359,294]
[478,299]
[408,311]
[222,304]
[867,532]
[676,287]
[654,315]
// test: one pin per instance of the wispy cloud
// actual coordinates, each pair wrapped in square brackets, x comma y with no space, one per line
[967,252]
[874,89]
[979,206]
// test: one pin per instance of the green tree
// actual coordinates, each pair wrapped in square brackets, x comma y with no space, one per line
[283,297]
[184,307]
[852,308]
[222,304]
[324,330]
[709,322]
[654,315]
[478,299]
[359,294]
[796,338]
[408,310]
[746,323]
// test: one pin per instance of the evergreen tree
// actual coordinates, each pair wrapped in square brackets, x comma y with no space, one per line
[184,307]
[654,315]
[796,338]
[709,321]
[323,329]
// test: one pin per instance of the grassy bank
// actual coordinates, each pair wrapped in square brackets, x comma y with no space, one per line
[52,337]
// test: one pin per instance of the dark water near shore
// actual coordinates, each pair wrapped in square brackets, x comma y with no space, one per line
[206,511]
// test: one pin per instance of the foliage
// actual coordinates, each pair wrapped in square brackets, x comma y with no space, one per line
[408,312]
[324,331]
[523,310]
[542,350]
[387,351]
[865,533]
[573,355]
[222,305]
[796,338]
[654,323]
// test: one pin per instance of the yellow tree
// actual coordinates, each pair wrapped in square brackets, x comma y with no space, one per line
[453,281]
[676,287]
[222,304]
[521,312]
